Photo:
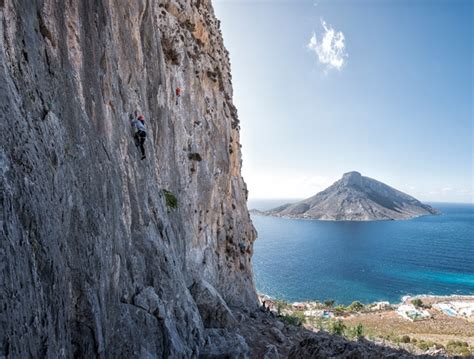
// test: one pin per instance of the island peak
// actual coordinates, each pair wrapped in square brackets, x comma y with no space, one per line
[352,178]
[356,198]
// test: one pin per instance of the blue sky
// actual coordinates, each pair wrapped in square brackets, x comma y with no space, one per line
[398,109]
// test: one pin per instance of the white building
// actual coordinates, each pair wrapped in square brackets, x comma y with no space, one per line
[456,309]
[381,306]
[408,311]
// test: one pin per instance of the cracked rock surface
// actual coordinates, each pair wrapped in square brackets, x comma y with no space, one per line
[93,262]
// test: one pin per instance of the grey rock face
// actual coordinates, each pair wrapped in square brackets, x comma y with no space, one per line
[220,343]
[271,352]
[279,325]
[213,309]
[356,198]
[93,262]
[277,334]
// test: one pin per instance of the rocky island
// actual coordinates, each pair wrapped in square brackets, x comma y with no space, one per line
[355,198]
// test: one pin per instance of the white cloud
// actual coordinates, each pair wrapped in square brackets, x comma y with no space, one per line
[447,189]
[329,47]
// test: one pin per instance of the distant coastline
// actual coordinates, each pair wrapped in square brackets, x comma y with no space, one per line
[254,203]
[260,207]
[402,300]
[267,214]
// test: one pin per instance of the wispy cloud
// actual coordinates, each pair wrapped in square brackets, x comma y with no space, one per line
[329,46]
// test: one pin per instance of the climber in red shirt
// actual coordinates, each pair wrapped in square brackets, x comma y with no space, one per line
[178,94]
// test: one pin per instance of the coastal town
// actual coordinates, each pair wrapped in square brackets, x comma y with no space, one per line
[438,325]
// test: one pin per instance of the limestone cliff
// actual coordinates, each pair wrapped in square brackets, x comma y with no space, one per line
[93,261]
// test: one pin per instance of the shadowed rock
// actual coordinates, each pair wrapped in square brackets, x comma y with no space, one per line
[219,343]
[213,309]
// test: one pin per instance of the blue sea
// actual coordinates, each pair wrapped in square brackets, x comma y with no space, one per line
[299,260]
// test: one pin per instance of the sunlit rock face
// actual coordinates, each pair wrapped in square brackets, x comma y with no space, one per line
[93,261]
[356,198]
